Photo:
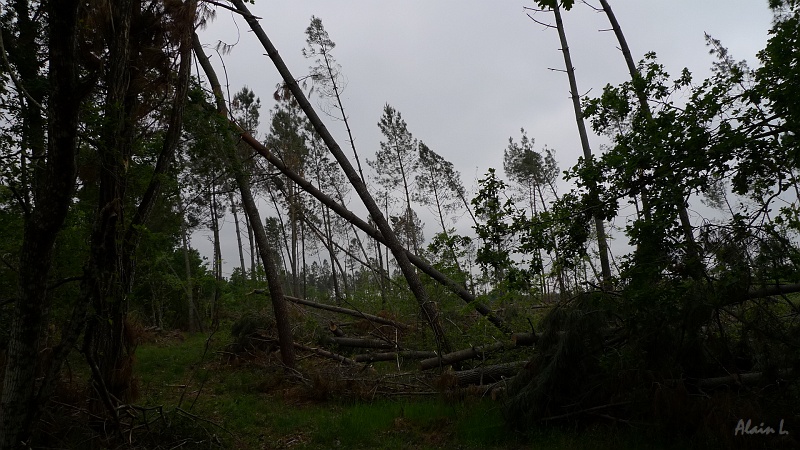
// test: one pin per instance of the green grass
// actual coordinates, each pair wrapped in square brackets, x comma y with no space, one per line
[257,409]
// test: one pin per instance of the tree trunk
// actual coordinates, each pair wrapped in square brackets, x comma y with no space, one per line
[360,342]
[488,374]
[105,347]
[253,276]
[194,322]
[393,356]
[695,265]
[217,255]
[461,355]
[350,312]
[238,236]
[429,308]
[273,280]
[602,242]
[19,407]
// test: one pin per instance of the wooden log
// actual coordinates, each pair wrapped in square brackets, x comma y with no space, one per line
[461,355]
[488,374]
[391,356]
[360,342]
[335,329]
[327,354]
[743,379]
[350,312]
[524,339]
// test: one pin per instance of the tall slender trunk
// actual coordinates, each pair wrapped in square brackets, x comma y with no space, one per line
[217,255]
[194,322]
[273,280]
[694,262]
[253,275]
[428,307]
[238,235]
[326,221]
[304,266]
[594,196]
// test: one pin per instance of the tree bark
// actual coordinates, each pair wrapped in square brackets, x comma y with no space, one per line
[360,342]
[105,277]
[252,250]
[19,407]
[217,269]
[392,356]
[461,355]
[273,280]
[429,308]
[488,374]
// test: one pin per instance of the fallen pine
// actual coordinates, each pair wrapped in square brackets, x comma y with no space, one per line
[338,309]
[391,356]
[524,339]
[743,379]
[327,354]
[336,329]
[461,355]
[360,342]
[488,374]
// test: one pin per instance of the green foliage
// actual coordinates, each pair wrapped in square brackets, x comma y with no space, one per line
[497,230]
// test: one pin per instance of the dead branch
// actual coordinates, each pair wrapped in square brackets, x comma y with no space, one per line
[327,354]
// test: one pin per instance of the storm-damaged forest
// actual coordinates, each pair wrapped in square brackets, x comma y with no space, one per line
[376,299]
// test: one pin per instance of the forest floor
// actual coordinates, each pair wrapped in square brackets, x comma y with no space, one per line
[214,400]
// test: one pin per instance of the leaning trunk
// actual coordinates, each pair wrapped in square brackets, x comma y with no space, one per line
[594,195]
[429,308]
[265,250]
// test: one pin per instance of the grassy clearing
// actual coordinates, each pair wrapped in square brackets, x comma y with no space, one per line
[255,407]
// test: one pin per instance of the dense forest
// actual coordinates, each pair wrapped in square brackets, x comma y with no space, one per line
[118,143]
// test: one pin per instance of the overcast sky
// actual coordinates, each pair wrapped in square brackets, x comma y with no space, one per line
[467,74]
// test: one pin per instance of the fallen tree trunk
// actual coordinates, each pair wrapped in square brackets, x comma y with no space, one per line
[360,342]
[738,379]
[338,309]
[335,329]
[524,339]
[391,356]
[327,354]
[461,355]
[488,374]
[517,340]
